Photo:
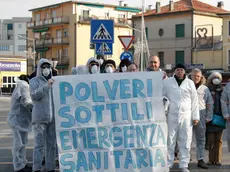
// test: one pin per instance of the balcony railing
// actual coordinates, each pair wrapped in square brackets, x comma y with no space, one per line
[47,22]
[117,21]
[64,60]
[52,41]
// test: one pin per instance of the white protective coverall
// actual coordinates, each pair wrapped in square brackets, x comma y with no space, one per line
[206,112]
[19,119]
[183,109]
[225,105]
[43,121]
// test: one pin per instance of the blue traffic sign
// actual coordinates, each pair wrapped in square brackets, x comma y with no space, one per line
[104,48]
[126,55]
[102,31]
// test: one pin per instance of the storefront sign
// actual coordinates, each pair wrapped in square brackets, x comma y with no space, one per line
[10,66]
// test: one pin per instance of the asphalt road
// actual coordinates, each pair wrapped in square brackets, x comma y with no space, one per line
[6,144]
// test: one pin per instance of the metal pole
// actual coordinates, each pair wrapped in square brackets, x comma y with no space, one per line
[142,35]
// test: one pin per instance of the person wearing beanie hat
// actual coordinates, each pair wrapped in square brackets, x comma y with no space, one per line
[110,66]
[123,66]
[19,119]
[183,113]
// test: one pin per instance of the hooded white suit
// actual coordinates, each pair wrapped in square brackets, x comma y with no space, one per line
[183,109]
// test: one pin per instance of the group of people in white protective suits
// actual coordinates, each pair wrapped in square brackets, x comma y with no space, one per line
[191,107]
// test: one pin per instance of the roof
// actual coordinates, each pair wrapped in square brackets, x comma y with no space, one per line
[184,6]
[82,2]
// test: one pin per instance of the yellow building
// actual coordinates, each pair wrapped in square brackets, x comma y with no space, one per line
[10,67]
[62,31]
[226,41]
[185,31]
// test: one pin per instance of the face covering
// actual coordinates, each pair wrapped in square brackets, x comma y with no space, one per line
[46,72]
[109,70]
[101,61]
[124,69]
[216,81]
[94,69]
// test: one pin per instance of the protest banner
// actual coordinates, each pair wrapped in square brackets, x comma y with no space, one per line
[111,122]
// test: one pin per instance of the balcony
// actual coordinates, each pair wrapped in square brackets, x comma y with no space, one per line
[52,42]
[117,21]
[48,22]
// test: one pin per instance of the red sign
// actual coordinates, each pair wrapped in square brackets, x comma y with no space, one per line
[126,41]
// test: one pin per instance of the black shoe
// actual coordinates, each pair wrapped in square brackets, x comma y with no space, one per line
[25,169]
[43,162]
[201,164]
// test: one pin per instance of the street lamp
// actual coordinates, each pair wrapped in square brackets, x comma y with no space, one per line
[30,53]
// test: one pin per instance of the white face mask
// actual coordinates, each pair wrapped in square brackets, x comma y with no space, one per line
[94,69]
[101,61]
[109,70]
[124,69]
[46,72]
[216,81]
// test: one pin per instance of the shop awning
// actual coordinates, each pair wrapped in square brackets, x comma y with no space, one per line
[41,30]
[42,49]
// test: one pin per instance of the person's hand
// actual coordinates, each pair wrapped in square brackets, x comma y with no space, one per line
[50,82]
[207,121]
[195,122]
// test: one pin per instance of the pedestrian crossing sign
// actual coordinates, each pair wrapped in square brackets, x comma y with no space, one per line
[104,48]
[102,31]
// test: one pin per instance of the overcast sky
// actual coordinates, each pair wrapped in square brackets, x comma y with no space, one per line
[19,8]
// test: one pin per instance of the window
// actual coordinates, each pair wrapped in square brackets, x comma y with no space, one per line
[66,32]
[180,57]
[228,28]
[21,36]
[9,26]
[85,14]
[65,52]
[121,16]
[180,31]
[59,53]
[147,33]
[161,57]
[37,17]
[59,33]
[229,57]
[8,81]
[54,14]
[106,15]
[4,48]
[21,47]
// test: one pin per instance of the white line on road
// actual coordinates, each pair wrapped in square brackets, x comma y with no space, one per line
[3,122]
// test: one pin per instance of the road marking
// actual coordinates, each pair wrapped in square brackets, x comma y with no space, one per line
[3,122]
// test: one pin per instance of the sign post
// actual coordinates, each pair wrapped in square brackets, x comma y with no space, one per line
[102,34]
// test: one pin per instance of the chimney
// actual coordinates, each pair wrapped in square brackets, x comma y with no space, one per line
[158,7]
[220,4]
[171,5]
[120,3]
[126,5]
[150,7]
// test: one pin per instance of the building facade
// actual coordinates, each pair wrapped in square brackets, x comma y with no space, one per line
[10,67]
[226,41]
[62,31]
[186,31]
[13,36]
